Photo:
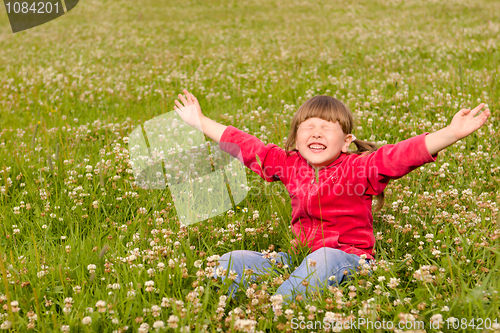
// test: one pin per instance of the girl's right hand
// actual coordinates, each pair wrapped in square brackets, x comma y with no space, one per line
[189,110]
[465,122]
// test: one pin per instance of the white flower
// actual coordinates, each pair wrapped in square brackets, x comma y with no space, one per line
[276,300]
[393,283]
[172,321]
[437,319]
[86,320]
[158,324]
[143,328]
[6,325]
[100,304]
[245,325]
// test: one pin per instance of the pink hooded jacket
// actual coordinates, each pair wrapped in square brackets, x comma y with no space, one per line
[334,211]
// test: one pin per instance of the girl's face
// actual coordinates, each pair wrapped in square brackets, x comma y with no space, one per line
[320,142]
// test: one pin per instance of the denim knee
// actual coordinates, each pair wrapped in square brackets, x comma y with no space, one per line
[338,264]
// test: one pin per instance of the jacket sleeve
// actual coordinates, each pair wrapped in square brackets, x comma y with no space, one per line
[246,148]
[392,161]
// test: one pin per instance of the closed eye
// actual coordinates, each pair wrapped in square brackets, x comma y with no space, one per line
[309,127]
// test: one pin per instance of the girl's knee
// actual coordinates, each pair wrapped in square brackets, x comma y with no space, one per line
[236,256]
[230,257]
[334,259]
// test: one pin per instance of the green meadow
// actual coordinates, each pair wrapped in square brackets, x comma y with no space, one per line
[84,249]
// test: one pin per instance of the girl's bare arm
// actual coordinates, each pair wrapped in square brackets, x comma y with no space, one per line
[212,129]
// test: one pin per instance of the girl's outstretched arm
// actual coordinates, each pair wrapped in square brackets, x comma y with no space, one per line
[463,124]
[190,112]
[266,160]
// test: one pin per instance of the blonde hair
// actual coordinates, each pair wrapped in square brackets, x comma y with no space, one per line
[330,109]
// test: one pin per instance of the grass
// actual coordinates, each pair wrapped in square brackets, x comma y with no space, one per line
[75,88]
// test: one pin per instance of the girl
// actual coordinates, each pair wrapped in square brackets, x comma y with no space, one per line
[331,189]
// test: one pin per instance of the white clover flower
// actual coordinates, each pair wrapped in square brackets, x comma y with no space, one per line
[144,328]
[6,325]
[172,321]
[149,286]
[437,319]
[101,306]
[86,320]
[158,324]
[276,300]
[245,325]
[393,283]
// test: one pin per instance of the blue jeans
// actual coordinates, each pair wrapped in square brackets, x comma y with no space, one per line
[316,269]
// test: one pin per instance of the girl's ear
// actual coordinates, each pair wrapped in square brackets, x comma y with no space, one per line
[347,143]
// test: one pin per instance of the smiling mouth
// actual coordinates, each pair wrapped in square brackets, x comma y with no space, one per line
[316,147]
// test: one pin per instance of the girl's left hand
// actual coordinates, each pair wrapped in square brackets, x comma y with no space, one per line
[464,122]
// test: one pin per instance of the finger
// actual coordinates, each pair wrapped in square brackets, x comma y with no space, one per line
[178,111]
[485,115]
[465,111]
[477,108]
[183,99]
[188,95]
[179,104]
[482,118]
